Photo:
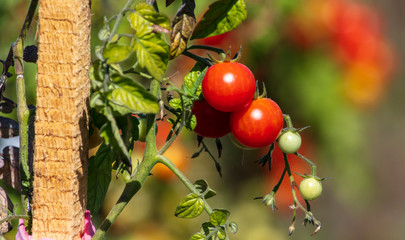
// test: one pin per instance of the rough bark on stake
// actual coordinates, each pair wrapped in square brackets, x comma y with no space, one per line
[60,150]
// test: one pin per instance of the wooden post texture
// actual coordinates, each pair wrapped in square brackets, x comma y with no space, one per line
[61,124]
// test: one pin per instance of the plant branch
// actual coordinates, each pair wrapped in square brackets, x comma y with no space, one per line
[168,163]
[119,18]
[313,166]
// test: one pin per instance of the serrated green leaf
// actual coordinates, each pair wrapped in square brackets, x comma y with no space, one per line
[219,216]
[191,123]
[221,17]
[131,97]
[190,207]
[175,103]
[139,24]
[198,236]
[115,53]
[191,78]
[221,234]
[151,50]
[148,13]
[153,54]
[99,177]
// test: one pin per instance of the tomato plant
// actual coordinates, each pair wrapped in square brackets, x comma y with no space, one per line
[136,130]
[211,123]
[257,125]
[228,86]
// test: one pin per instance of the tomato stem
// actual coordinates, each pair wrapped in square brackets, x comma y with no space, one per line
[288,121]
[313,165]
[168,163]
[297,204]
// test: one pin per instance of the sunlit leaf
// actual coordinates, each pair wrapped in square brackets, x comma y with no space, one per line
[190,207]
[221,17]
[198,236]
[149,13]
[115,53]
[131,97]
[219,217]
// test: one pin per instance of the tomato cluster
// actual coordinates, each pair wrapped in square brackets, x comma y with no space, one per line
[354,33]
[229,106]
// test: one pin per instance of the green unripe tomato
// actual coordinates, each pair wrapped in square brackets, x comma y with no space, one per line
[289,142]
[310,188]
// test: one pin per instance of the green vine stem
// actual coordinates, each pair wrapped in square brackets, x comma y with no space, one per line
[297,204]
[288,121]
[118,20]
[141,172]
[313,166]
[168,163]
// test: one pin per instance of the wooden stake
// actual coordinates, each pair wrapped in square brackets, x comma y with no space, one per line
[61,125]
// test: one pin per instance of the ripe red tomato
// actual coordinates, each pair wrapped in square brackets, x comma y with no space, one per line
[257,125]
[211,123]
[228,86]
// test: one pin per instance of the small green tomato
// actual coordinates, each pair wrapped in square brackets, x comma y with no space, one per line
[310,188]
[289,142]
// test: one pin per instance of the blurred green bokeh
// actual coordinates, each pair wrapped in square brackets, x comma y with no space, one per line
[357,147]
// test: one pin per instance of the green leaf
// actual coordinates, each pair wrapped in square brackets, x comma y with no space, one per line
[99,177]
[190,207]
[175,103]
[198,236]
[131,97]
[153,54]
[151,50]
[233,227]
[148,12]
[203,187]
[219,216]
[115,53]
[221,234]
[192,80]
[112,137]
[221,17]
[104,33]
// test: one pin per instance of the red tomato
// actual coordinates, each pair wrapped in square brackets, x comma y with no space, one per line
[228,86]
[257,125]
[211,123]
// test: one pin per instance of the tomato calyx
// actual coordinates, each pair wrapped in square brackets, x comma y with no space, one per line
[226,57]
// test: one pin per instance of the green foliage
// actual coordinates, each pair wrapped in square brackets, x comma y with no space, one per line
[221,17]
[131,97]
[99,177]
[115,53]
[190,207]
[151,50]
[204,189]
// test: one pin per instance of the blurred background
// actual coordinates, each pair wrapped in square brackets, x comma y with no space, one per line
[334,65]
